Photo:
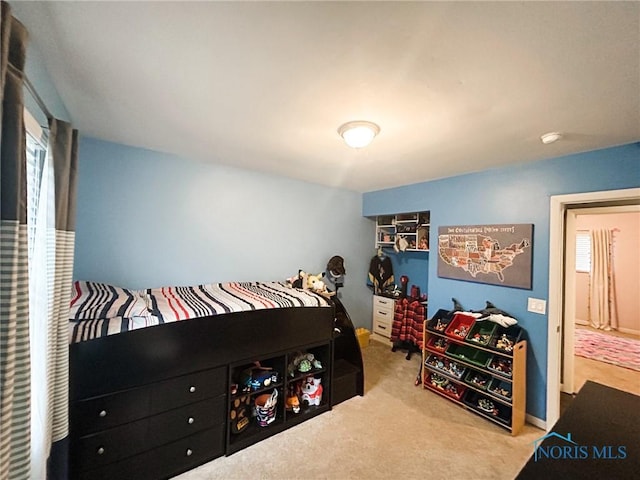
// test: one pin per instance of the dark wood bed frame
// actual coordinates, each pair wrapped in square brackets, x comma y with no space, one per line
[155,402]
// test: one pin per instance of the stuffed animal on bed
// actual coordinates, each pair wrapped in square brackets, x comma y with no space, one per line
[315,283]
[298,281]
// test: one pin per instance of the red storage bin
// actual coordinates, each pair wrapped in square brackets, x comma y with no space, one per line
[460,327]
[444,385]
[437,344]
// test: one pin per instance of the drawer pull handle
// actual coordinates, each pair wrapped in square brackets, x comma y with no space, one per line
[189,452]
[192,389]
[103,413]
[381,313]
[191,420]
[100,450]
[382,327]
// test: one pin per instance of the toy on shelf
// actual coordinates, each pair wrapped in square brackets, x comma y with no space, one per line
[265,406]
[303,363]
[505,343]
[256,377]
[312,391]
[239,414]
[292,402]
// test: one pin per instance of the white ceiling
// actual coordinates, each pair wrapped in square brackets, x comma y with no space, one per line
[456,87]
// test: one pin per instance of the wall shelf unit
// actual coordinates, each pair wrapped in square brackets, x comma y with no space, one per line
[413,227]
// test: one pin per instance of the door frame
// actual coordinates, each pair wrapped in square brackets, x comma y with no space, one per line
[558,206]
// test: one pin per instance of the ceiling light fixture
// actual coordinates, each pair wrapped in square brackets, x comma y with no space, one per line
[358,134]
[550,137]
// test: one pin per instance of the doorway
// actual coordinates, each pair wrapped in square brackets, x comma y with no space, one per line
[583,361]
[561,289]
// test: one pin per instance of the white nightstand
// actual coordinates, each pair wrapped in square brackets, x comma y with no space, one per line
[383,310]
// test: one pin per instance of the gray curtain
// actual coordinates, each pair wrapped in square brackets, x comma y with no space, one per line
[63,151]
[15,388]
[15,391]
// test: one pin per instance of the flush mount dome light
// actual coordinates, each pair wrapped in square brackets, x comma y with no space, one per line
[550,137]
[358,134]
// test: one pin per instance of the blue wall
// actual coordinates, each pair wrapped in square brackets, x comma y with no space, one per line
[517,194]
[147,219]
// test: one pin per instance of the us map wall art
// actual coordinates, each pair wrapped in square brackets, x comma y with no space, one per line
[494,254]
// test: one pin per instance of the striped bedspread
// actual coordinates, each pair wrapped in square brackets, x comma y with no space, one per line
[98,310]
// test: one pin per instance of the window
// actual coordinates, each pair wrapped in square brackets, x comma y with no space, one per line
[583,251]
[38,201]
[35,164]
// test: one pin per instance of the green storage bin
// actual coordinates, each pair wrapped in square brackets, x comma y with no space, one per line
[469,354]
[482,333]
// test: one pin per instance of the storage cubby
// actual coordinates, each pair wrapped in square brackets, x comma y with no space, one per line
[251,382]
[262,390]
[307,379]
[483,376]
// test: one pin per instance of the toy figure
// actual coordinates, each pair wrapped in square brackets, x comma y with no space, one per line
[292,402]
[312,391]
[303,362]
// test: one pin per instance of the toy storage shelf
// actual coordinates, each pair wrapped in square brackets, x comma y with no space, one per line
[477,382]
[412,226]
[245,389]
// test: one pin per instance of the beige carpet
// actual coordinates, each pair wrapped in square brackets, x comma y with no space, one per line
[397,430]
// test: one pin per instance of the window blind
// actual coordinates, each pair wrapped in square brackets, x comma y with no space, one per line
[583,251]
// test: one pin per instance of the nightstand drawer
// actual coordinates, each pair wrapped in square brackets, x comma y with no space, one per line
[383,315]
[382,327]
[383,304]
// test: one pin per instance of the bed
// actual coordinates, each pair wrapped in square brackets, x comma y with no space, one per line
[152,371]
[98,309]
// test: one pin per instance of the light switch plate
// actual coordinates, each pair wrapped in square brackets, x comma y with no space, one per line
[537,305]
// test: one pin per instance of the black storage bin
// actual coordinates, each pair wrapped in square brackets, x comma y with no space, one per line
[501,365]
[440,321]
[488,406]
[477,379]
[512,335]
[501,389]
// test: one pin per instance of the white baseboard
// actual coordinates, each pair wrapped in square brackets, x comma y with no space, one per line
[630,331]
[536,422]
